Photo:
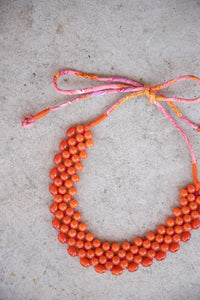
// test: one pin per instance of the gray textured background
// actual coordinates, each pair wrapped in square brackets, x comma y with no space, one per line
[131,180]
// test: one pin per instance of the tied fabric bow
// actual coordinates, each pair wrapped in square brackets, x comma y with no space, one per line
[134,89]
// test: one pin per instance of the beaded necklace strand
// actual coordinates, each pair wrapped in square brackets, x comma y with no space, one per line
[90,250]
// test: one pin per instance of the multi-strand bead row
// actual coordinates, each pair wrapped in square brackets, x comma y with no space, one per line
[104,255]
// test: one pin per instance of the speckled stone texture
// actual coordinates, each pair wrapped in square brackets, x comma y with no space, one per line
[139,162]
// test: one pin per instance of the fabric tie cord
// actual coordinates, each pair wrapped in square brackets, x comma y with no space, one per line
[134,89]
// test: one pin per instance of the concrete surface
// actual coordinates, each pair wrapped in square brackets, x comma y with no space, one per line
[133,174]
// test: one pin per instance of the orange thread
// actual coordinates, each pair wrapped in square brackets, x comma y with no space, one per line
[41,113]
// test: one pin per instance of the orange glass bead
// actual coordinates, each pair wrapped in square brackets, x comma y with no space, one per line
[138,241]
[80,129]
[132,267]
[79,244]
[193,205]
[102,259]
[73,150]
[81,147]
[170,230]
[77,216]
[62,190]
[155,246]
[142,251]
[58,198]
[53,189]
[78,166]
[66,198]
[71,170]
[89,236]
[59,214]
[62,206]
[80,138]
[63,145]
[185,210]
[106,246]
[53,173]
[160,255]
[68,183]
[164,247]
[83,154]
[98,251]
[195,224]
[53,207]
[177,212]
[90,253]
[72,141]
[109,254]
[123,264]
[126,246]
[178,229]
[183,201]
[167,239]
[137,259]
[72,251]
[109,265]
[187,218]
[146,261]
[89,143]
[82,227]
[194,214]
[187,227]
[174,247]
[72,233]
[88,135]
[85,262]
[66,154]
[150,237]
[58,182]
[179,221]
[115,260]
[146,244]
[64,176]
[176,238]
[61,168]
[191,188]
[75,178]
[64,228]
[72,191]
[75,158]
[62,238]
[121,253]
[134,249]
[94,261]
[71,241]
[67,162]
[70,211]
[129,256]
[56,223]
[96,243]
[159,238]
[151,253]
[74,224]
[191,197]
[66,220]
[57,159]
[170,222]
[100,269]
[71,132]
[73,203]
[81,253]
[198,200]
[161,229]
[117,270]
[183,193]
[115,247]
[185,236]
[88,245]
[80,235]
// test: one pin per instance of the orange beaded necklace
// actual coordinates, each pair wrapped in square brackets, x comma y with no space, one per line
[90,250]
